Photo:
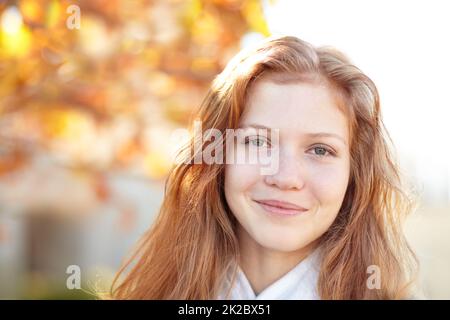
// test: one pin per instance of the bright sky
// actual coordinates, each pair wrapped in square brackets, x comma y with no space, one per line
[404,46]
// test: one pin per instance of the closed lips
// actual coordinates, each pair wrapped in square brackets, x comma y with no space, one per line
[281,205]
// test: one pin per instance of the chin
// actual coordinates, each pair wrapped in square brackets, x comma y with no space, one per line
[283,243]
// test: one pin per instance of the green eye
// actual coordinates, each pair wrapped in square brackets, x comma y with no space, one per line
[257,142]
[320,151]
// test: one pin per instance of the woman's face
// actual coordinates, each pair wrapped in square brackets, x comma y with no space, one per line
[313,168]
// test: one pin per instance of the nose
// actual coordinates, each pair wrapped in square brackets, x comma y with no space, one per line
[290,174]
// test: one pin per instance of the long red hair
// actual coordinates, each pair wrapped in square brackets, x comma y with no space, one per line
[189,248]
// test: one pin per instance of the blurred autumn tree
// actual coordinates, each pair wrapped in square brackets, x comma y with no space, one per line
[108,95]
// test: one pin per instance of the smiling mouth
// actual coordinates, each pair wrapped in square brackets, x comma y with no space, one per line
[280,209]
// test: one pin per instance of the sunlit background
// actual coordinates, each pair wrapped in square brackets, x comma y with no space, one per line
[86,115]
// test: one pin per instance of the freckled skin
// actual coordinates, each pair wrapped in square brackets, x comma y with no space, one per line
[304,177]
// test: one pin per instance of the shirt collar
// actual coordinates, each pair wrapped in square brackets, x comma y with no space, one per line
[299,283]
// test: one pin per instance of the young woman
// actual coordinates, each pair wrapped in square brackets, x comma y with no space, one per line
[325,224]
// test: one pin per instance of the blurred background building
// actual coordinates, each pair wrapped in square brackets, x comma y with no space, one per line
[86,115]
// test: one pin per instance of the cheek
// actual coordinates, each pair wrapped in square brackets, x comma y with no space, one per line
[329,183]
[240,178]
[238,185]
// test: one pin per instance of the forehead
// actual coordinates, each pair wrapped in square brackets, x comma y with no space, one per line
[294,108]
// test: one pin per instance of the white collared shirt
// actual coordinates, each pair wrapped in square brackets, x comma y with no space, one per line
[300,283]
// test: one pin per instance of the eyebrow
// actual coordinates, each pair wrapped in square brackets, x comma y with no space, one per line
[253,125]
[326,135]
[309,134]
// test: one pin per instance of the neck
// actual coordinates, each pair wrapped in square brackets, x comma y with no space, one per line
[263,266]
